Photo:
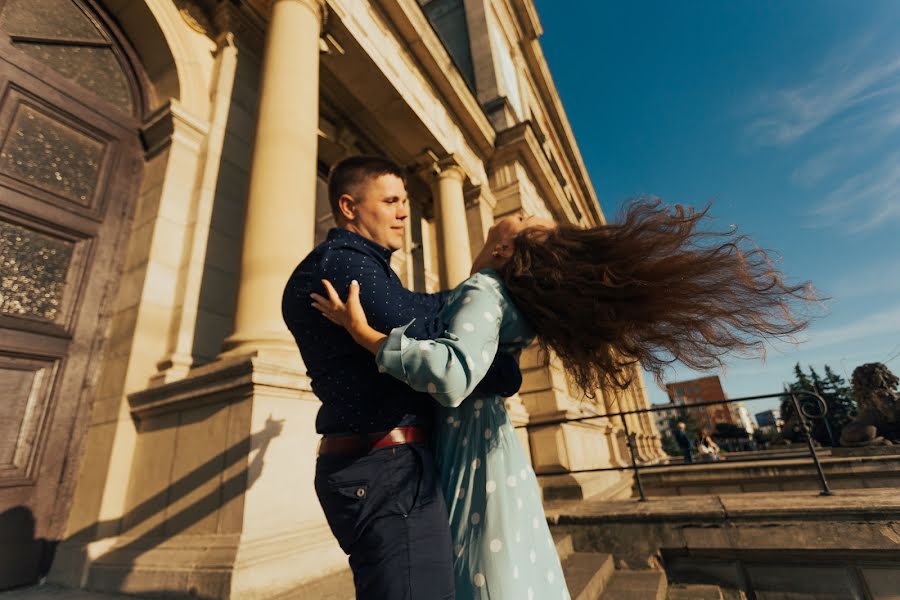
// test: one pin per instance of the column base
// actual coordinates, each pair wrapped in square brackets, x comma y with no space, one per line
[271,347]
[221,501]
[599,485]
[281,565]
[576,446]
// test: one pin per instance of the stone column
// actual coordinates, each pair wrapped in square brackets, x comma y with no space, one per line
[448,179]
[279,227]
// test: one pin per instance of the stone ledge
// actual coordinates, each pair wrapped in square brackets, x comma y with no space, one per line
[788,475]
[883,504]
[855,523]
[226,378]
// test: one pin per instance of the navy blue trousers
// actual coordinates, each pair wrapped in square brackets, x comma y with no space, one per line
[388,514]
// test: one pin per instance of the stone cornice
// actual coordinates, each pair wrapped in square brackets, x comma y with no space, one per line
[520,143]
[246,24]
[537,65]
[528,18]
[224,379]
[416,32]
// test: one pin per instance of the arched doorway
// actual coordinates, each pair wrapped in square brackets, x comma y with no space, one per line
[70,166]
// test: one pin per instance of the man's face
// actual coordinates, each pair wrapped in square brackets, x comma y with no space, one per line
[380,211]
[682,426]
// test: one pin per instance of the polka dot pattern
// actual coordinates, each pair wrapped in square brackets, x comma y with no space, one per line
[343,374]
[497,521]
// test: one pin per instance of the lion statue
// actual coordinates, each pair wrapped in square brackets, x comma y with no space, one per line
[877,422]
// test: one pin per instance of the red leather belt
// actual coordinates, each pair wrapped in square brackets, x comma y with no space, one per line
[359,443]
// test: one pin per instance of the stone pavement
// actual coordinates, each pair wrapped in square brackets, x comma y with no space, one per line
[52,592]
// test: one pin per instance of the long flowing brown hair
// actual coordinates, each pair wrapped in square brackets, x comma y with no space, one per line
[655,287]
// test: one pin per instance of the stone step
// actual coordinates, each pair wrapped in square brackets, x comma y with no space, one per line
[682,591]
[337,586]
[636,585]
[563,542]
[587,574]
[52,592]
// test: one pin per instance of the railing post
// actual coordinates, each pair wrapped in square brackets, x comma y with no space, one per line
[637,470]
[807,432]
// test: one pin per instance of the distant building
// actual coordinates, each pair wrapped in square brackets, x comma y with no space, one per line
[703,389]
[664,416]
[769,418]
[744,417]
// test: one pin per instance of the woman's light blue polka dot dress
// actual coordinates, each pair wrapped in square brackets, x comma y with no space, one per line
[503,549]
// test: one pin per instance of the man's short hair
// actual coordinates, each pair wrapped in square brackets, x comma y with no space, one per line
[349,174]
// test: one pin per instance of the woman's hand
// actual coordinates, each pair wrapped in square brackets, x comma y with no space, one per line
[349,315]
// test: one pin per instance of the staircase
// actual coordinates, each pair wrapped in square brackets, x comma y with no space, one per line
[593,576]
[589,575]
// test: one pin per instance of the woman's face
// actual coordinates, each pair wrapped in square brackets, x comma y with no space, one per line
[499,243]
[506,229]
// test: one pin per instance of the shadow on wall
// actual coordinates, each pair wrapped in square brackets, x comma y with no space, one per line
[24,559]
[115,565]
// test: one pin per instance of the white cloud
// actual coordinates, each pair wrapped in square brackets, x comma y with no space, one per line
[863,201]
[859,73]
[838,346]
[845,113]
[883,322]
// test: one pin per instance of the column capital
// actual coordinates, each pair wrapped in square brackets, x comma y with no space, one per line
[168,121]
[319,7]
[431,167]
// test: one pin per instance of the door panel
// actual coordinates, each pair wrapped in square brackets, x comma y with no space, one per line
[70,168]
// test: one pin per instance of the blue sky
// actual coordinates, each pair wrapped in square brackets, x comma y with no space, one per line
[785,114]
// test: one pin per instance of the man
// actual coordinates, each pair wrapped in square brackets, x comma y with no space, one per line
[375,475]
[684,442]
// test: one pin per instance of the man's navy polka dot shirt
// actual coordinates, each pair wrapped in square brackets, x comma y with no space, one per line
[355,396]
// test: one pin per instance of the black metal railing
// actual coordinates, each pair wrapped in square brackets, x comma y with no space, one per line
[808,406]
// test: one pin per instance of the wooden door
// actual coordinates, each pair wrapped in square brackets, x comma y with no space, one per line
[70,163]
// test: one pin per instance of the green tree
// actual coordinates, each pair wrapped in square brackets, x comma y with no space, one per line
[730,431]
[834,391]
[841,405]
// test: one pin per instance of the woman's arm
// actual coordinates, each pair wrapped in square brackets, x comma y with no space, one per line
[451,366]
[448,367]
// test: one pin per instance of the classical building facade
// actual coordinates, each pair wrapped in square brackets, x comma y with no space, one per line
[162,172]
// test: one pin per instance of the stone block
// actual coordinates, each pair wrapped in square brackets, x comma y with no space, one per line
[796,582]
[689,570]
[893,450]
[706,537]
[883,583]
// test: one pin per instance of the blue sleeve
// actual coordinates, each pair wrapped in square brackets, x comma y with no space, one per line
[386,302]
[450,366]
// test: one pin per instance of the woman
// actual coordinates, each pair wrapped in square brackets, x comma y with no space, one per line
[652,289]
[707,447]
